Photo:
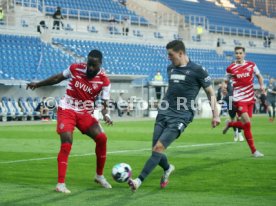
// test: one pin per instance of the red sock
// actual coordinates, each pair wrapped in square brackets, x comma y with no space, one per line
[249,137]
[100,150]
[62,159]
[237,124]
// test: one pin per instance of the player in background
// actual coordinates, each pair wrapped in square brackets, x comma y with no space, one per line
[227,90]
[86,82]
[242,72]
[176,111]
[271,99]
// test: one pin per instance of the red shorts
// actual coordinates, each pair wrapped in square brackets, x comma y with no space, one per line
[243,107]
[68,119]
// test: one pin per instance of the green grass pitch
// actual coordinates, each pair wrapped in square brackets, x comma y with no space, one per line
[210,168]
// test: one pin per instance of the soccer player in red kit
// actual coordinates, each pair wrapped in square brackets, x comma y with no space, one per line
[86,82]
[242,74]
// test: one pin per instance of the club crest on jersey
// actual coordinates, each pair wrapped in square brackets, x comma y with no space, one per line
[95,86]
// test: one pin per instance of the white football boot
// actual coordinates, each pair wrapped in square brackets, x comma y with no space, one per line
[257,154]
[61,187]
[100,179]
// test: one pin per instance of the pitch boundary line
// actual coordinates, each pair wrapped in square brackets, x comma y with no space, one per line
[116,152]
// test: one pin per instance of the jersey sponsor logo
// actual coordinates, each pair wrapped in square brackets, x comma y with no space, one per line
[242,75]
[83,87]
[178,77]
[180,126]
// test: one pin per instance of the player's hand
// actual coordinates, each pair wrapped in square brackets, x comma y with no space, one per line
[107,119]
[215,121]
[31,86]
[262,90]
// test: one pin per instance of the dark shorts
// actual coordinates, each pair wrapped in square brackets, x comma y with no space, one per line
[167,129]
[271,102]
[232,112]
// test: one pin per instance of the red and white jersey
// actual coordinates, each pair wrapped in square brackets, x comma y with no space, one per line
[242,76]
[81,91]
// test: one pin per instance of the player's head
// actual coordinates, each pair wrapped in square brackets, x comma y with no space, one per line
[239,53]
[176,52]
[271,80]
[94,62]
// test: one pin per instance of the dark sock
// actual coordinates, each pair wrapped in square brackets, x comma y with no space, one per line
[152,162]
[269,113]
[164,162]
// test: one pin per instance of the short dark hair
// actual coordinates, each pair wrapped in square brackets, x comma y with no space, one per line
[239,47]
[96,54]
[176,45]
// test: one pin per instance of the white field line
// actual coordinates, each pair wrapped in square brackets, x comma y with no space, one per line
[117,152]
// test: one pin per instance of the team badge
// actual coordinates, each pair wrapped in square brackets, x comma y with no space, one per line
[61,126]
[95,86]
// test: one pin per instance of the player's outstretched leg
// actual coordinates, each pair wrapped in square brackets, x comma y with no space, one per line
[152,162]
[101,141]
[134,184]
[62,159]
[165,178]
[224,131]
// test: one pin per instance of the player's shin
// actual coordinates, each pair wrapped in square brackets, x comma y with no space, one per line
[249,137]
[100,150]
[62,159]
[164,162]
[152,162]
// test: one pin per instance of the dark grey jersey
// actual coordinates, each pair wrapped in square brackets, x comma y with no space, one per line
[271,88]
[184,85]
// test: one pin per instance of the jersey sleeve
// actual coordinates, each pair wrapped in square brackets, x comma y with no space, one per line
[106,88]
[256,70]
[67,72]
[204,78]
[106,92]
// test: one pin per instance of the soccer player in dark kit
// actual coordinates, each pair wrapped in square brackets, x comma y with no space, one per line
[185,80]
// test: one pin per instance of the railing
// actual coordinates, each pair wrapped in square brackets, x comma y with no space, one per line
[161,19]
[82,14]
[193,20]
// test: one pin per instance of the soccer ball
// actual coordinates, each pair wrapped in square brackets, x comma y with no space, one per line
[121,172]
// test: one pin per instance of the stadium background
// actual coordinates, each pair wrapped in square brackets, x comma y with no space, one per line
[131,62]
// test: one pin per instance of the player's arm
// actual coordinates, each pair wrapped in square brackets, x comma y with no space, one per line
[55,79]
[271,91]
[260,78]
[261,82]
[105,112]
[213,103]
[105,104]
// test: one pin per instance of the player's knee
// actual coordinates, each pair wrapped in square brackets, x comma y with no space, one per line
[65,149]
[247,126]
[158,147]
[101,138]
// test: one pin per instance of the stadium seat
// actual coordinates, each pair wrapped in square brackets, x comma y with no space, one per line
[92,29]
